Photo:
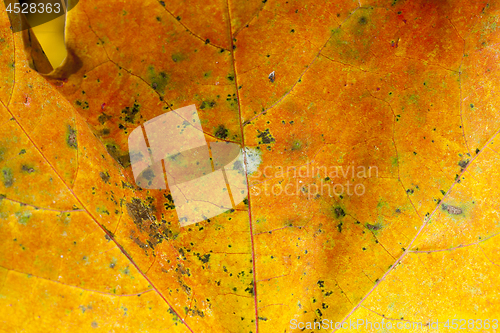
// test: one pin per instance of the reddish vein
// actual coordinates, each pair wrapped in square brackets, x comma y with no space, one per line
[93,218]
[246,175]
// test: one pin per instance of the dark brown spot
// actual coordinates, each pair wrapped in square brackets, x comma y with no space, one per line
[130,112]
[104,176]
[72,138]
[138,212]
[122,159]
[103,118]
[207,104]
[265,137]
[8,178]
[221,132]
[373,227]
[452,209]
[27,169]
[339,212]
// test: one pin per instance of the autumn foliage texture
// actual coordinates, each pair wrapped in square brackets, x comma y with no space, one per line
[407,87]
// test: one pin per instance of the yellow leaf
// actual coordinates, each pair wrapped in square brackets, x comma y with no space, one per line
[369,134]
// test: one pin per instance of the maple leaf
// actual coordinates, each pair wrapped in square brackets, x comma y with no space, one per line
[371,155]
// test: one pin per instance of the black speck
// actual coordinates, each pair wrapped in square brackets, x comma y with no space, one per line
[339,212]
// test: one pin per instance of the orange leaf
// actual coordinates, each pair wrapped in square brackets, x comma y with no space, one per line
[369,135]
